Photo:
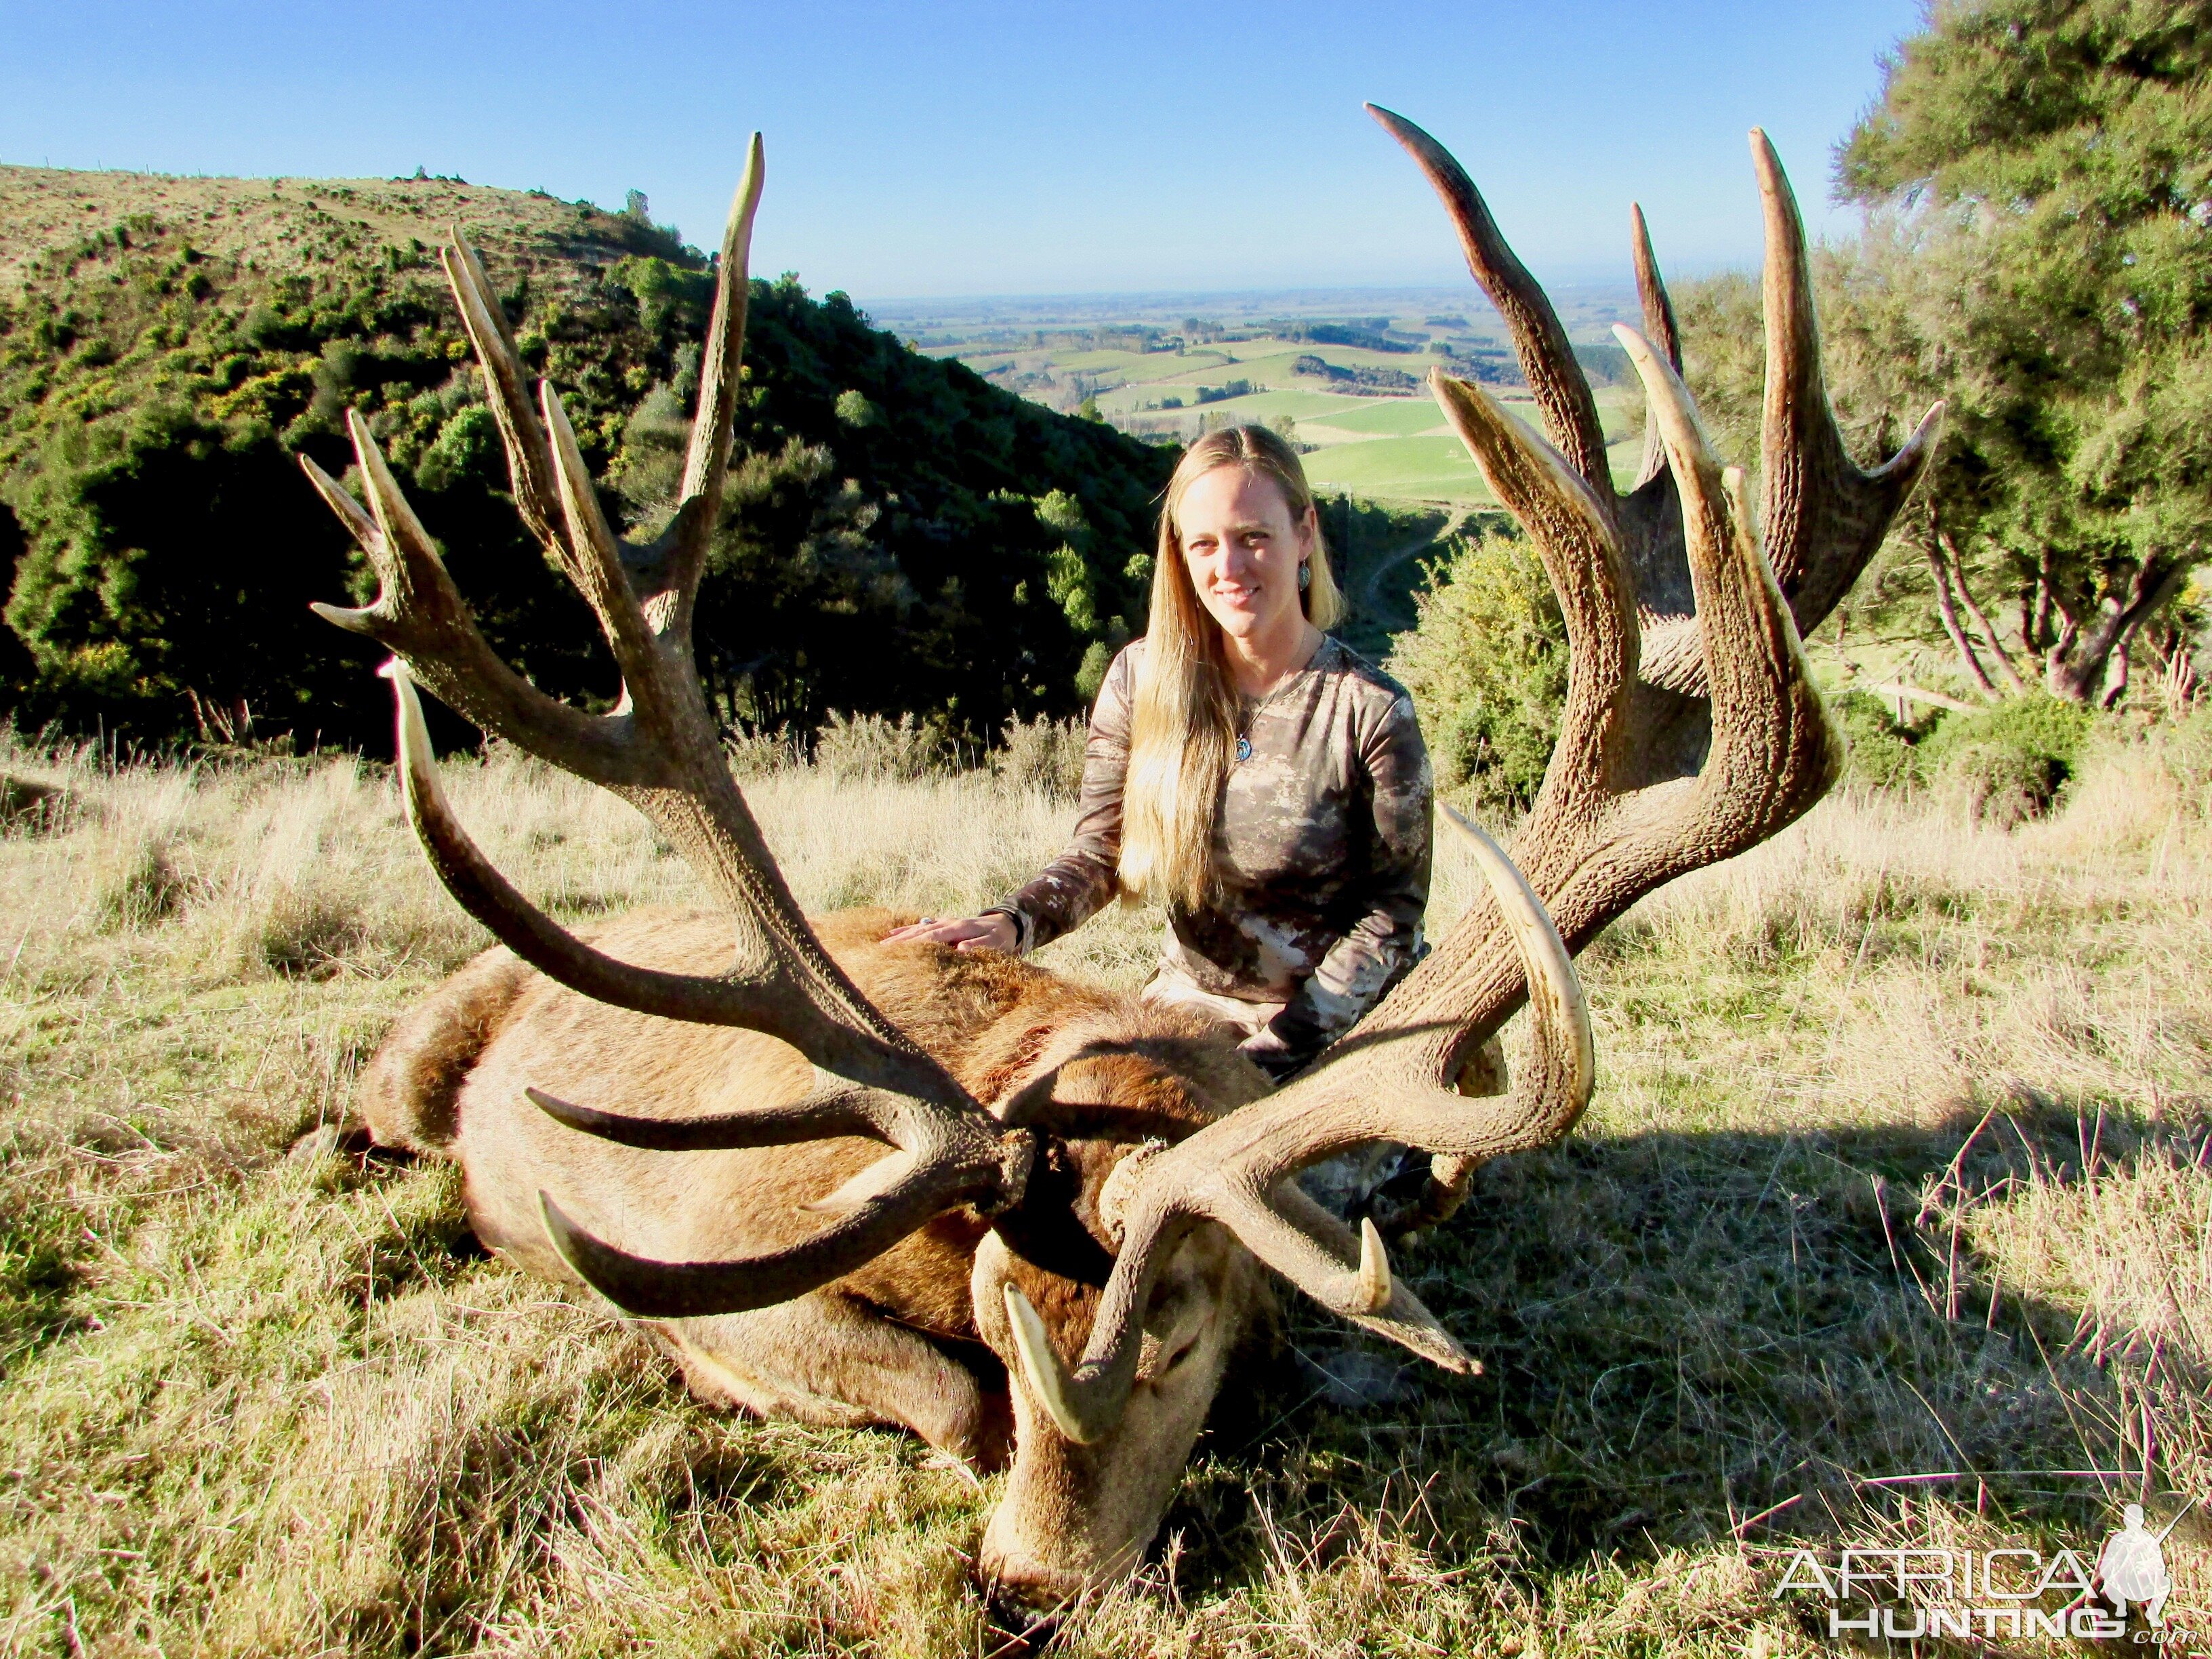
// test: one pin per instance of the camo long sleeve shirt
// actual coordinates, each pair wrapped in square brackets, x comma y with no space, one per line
[1322,841]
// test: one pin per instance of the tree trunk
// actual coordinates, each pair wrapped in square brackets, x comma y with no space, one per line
[1948,612]
[1931,541]
[2038,640]
[2008,670]
[2078,662]
[2116,675]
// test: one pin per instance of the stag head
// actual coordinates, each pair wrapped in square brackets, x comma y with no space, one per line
[1691,732]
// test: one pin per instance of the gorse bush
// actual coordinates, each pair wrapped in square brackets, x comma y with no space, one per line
[1042,754]
[755,753]
[870,749]
[1487,666]
[1878,751]
[2002,766]
[2006,764]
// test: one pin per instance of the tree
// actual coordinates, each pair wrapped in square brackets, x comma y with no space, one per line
[2040,175]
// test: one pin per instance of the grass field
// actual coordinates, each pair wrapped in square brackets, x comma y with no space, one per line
[1892,1202]
[1393,418]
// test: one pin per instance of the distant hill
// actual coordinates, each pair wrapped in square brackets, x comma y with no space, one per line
[900,535]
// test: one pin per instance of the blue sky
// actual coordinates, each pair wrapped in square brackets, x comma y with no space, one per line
[997,148]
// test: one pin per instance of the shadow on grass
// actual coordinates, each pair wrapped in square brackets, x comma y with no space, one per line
[1686,1337]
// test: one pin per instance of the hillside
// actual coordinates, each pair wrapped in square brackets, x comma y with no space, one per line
[900,534]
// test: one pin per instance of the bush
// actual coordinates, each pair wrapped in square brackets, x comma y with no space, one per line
[1487,664]
[1879,752]
[1042,754]
[2006,764]
[757,754]
[868,748]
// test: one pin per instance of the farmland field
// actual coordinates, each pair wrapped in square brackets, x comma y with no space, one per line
[1343,374]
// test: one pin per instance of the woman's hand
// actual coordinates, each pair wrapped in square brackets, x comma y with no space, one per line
[992,933]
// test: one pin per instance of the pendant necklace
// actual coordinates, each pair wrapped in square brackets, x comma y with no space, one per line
[1250,712]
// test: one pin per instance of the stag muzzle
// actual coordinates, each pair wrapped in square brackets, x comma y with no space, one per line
[1078,1515]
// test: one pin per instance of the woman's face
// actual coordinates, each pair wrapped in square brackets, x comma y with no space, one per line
[1243,549]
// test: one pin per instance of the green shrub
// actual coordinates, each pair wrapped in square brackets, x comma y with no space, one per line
[1043,754]
[757,754]
[868,748]
[1487,664]
[1879,752]
[2006,764]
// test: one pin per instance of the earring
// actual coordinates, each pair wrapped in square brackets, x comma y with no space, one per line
[1305,576]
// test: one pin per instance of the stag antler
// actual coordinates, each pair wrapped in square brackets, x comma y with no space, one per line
[1691,732]
[657,749]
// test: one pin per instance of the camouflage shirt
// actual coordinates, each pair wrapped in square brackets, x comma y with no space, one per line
[1321,841]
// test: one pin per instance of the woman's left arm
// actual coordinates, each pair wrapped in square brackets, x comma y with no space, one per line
[1385,938]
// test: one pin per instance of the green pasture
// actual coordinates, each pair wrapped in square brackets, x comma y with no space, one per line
[1298,403]
[1424,468]
[1389,417]
[1141,365]
[1388,447]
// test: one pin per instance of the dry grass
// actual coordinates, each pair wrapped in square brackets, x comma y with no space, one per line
[1897,1170]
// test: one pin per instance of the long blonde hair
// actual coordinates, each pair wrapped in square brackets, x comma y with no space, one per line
[1183,729]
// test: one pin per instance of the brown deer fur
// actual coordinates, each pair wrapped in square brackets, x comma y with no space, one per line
[901,1340]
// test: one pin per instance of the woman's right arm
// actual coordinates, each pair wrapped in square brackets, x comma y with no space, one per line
[1085,877]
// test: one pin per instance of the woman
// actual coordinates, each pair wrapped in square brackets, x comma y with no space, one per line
[1258,777]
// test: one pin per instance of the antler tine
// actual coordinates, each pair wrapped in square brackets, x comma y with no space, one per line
[707,464]
[950,1164]
[1582,556]
[1824,517]
[419,613]
[668,572]
[1773,753]
[1659,327]
[1238,1171]
[593,555]
[834,1110]
[1659,324]
[1561,389]
[529,463]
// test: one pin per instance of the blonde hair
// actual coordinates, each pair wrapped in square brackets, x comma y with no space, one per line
[1182,727]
